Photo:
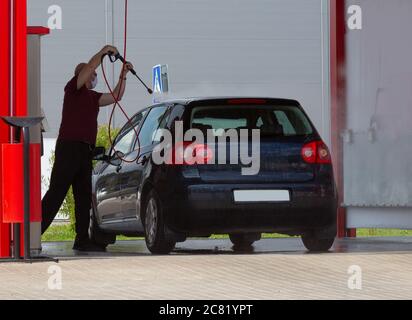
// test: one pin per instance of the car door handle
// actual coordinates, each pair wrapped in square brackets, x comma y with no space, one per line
[118,168]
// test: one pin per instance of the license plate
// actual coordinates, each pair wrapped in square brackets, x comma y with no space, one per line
[261,195]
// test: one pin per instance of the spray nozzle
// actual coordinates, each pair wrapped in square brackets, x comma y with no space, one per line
[114,57]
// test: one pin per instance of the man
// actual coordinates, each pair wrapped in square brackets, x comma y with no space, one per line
[75,144]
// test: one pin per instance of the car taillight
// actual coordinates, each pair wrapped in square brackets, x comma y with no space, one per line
[316,152]
[189,153]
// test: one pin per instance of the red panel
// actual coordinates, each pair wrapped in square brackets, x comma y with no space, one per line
[38,30]
[12,177]
[12,180]
[4,240]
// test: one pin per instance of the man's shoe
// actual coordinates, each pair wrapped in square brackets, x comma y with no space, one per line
[88,247]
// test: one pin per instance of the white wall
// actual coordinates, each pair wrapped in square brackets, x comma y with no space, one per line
[276,48]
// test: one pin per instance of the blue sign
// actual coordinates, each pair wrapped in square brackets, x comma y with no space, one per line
[157,79]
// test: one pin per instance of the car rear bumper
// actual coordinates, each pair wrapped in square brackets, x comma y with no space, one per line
[210,208]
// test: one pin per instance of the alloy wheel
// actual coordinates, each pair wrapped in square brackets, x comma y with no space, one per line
[151,220]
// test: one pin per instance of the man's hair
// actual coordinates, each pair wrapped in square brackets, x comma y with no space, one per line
[79,68]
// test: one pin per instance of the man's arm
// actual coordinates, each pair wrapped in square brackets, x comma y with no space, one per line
[94,62]
[106,98]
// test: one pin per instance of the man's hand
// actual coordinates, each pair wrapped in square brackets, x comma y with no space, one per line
[109,50]
[127,67]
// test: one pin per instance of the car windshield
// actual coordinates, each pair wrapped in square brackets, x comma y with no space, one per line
[271,120]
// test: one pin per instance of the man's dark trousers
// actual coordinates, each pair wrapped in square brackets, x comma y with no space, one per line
[72,167]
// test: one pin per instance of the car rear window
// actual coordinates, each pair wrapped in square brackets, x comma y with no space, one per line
[270,119]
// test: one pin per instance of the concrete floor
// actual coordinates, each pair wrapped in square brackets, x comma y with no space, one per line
[210,269]
[63,250]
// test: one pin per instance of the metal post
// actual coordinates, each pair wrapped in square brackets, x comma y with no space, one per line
[15,138]
[16,240]
[26,168]
[11,66]
[16,226]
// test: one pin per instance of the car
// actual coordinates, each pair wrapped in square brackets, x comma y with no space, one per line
[291,189]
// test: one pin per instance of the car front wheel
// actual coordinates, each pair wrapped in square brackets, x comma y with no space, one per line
[154,226]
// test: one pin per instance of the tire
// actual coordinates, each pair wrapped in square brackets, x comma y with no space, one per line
[314,244]
[96,235]
[154,226]
[244,240]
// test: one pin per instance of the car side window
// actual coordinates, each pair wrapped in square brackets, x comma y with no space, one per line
[126,136]
[153,121]
[125,142]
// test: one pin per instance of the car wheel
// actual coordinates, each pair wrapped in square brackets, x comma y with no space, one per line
[244,240]
[314,244]
[96,235]
[154,227]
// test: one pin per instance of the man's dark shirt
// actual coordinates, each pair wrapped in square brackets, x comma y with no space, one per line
[80,111]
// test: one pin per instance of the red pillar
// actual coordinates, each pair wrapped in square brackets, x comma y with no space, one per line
[4,107]
[338,102]
[20,69]
[13,93]
[338,90]
[20,58]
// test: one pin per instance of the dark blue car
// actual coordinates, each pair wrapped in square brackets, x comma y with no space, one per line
[288,188]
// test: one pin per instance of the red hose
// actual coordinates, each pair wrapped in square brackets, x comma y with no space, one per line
[116,99]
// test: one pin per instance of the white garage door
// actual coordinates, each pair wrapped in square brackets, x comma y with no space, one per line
[377,146]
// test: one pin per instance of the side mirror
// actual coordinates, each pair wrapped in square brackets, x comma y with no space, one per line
[99,153]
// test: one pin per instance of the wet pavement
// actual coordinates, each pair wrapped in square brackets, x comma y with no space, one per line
[64,250]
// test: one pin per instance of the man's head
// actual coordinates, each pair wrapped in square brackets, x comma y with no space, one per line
[92,81]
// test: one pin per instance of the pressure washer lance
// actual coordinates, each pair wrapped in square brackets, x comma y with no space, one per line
[113,58]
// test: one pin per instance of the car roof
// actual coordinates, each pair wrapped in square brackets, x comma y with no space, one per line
[217,100]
